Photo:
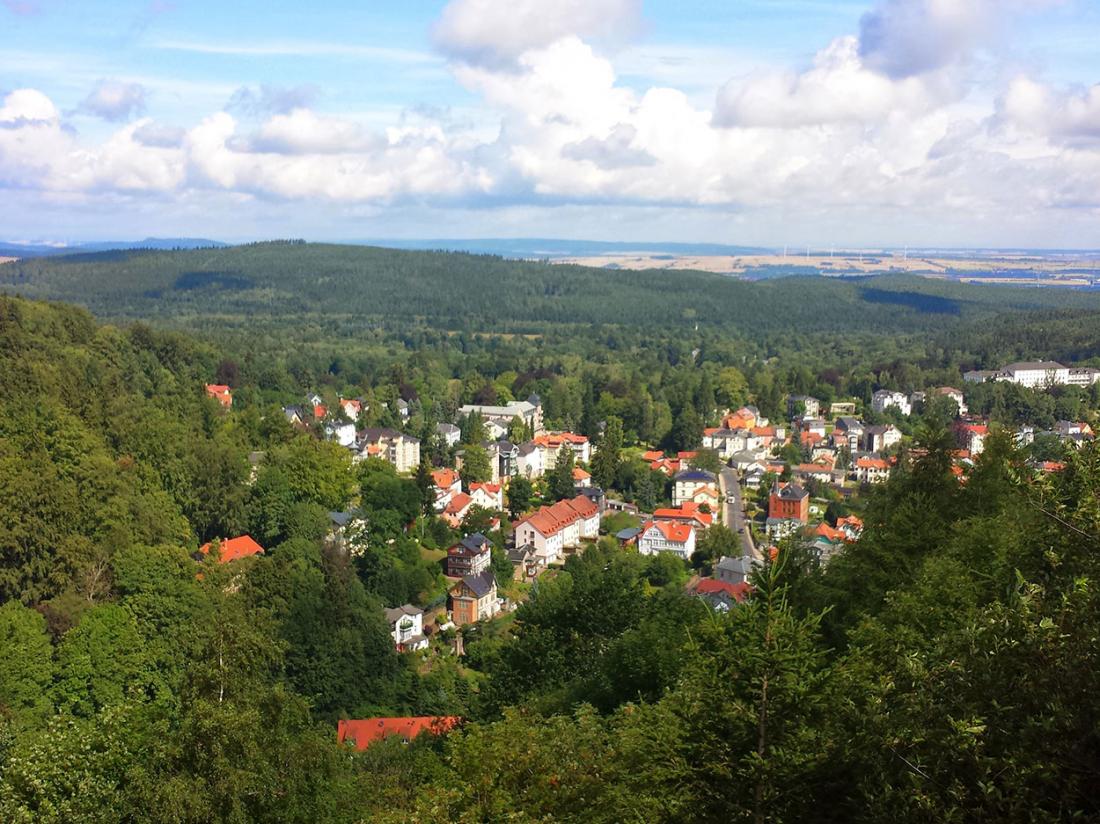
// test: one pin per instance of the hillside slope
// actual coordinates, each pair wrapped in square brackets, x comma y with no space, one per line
[367,285]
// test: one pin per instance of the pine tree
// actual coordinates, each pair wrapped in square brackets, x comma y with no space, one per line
[605,463]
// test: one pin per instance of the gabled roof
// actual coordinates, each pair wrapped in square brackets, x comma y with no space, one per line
[471,545]
[580,474]
[696,475]
[444,478]
[872,463]
[234,548]
[491,489]
[481,584]
[459,502]
[789,492]
[712,586]
[673,531]
[395,614]
[1033,366]
[365,731]
[549,520]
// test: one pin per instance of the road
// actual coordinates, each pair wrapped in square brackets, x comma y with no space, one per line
[734,518]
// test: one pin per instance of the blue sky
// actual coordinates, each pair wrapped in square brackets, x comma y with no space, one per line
[882,122]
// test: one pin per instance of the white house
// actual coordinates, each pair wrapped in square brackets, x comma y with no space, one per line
[884,399]
[667,536]
[447,484]
[529,462]
[872,470]
[449,433]
[552,443]
[487,496]
[695,486]
[878,438]
[529,411]
[342,433]
[407,627]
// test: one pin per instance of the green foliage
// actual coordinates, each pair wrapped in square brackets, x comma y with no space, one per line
[559,480]
[521,496]
[26,665]
[475,466]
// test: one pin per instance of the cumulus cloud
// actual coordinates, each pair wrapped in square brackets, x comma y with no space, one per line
[905,38]
[267,100]
[496,32]
[114,100]
[838,88]
[612,152]
[1070,116]
[159,135]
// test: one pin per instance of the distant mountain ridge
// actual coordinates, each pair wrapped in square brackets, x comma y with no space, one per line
[35,250]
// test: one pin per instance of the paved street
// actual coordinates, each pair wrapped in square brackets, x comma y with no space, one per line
[735,511]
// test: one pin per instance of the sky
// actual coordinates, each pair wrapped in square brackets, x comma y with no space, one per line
[964,123]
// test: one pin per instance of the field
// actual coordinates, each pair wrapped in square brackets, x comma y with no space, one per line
[1074,270]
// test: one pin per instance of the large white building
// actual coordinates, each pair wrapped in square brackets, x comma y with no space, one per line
[667,536]
[529,411]
[1038,375]
[885,399]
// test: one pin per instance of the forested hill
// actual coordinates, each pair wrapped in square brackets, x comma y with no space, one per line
[364,285]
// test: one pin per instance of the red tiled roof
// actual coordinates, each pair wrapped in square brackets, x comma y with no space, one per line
[851,521]
[579,474]
[234,548]
[365,731]
[549,520]
[458,503]
[672,530]
[492,489]
[555,440]
[872,463]
[711,586]
[320,412]
[826,531]
[653,455]
[444,478]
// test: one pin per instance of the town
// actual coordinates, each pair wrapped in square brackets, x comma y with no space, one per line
[520,498]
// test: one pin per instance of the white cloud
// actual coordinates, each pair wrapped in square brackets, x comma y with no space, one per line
[1062,115]
[115,100]
[494,32]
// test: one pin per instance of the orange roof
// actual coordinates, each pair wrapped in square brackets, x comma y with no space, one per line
[711,586]
[320,411]
[458,503]
[444,478]
[710,430]
[689,510]
[686,456]
[356,406]
[365,731]
[549,520]
[851,521]
[673,531]
[764,431]
[555,440]
[825,531]
[1052,466]
[234,548]
[492,489]
[220,392]
[653,455]
[807,437]
[579,474]
[872,463]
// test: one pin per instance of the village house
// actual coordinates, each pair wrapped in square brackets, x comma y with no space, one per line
[848,433]
[450,433]
[474,598]
[347,530]
[456,509]
[487,496]
[721,595]
[815,426]
[851,526]
[971,437]
[788,509]
[735,570]
[446,483]
[221,393]
[342,433]
[581,478]
[885,399]
[363,732]
[552,529]
[470,556]
[551,444]
[872,470]
[295,415]
[503,460]
[529,461]
[687,513]
[803,406]
[952,394]
[667,536]
[407,628]
[397,448]
[352,408]
[879,438]
[233,549]
[696,486]
[528,411]
[527,564]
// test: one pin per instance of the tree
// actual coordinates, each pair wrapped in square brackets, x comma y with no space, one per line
[605,463]
[708,460]
[26,665]
[472,430]
[521,494]
[560,483]
[426,486]
[102,660]
[687,431]
[475,466]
